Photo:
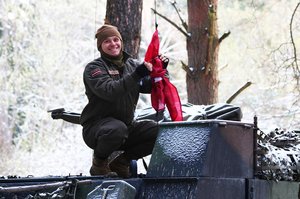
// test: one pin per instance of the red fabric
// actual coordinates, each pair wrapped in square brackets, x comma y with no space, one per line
[163,91]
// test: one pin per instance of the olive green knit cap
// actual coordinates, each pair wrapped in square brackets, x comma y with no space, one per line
[104,32]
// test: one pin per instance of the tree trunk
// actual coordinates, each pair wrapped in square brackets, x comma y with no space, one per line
[126,15]
[202,47]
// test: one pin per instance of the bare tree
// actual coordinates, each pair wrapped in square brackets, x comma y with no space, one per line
[202,48]
[126,15]
[201,33]
[294,65]
[285,57]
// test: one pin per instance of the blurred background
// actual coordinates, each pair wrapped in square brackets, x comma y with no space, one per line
[45,46]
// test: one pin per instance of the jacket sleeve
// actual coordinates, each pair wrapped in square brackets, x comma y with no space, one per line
[146,85]
[104,86]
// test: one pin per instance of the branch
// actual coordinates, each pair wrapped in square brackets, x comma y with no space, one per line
[190,71]
[171,22]
[224,36]
[185,67]
[292,38]
[223,67]
[238,92]
[184,24]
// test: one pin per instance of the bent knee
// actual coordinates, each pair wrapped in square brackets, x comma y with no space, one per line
[116,130]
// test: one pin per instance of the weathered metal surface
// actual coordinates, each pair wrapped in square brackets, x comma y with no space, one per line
[263,189]
[84,189]
[213,148]
[156,188]
[209,159]
[193,188]
[114,189]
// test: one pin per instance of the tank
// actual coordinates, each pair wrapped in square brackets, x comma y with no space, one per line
[203,159]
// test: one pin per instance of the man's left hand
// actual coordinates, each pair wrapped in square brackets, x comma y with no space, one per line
[164,60]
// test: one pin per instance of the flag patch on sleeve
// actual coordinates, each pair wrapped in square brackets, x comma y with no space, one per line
[95,72]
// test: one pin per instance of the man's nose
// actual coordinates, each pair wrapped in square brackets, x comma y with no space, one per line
[113,42]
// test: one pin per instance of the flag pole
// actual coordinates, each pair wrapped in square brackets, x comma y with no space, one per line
[155,15]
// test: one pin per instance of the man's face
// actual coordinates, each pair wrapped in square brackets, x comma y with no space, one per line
[112,46]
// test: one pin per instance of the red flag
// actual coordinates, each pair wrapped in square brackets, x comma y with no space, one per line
[163,91]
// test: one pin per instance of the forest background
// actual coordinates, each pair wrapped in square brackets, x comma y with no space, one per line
[46,44]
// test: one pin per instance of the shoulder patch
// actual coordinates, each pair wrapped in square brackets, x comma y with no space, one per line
[96,72]
[113,72]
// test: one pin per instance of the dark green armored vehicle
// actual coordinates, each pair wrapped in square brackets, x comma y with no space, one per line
[212,156]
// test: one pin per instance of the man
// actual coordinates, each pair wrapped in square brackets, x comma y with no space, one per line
[113,83]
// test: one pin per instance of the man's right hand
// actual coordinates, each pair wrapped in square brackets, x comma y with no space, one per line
[144,69]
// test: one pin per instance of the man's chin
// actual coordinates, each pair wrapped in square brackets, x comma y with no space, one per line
[115,54]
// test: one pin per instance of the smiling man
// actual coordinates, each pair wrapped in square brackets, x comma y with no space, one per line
[112,85]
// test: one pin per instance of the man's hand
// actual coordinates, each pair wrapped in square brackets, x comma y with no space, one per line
[164,60]
[148,65]
[144,69]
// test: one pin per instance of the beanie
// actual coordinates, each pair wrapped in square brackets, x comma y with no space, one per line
[106,31]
